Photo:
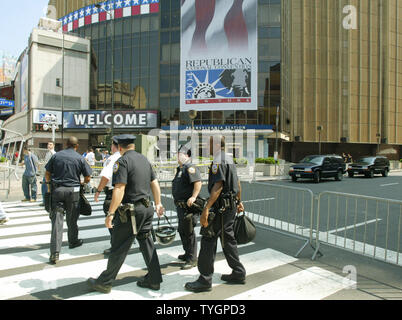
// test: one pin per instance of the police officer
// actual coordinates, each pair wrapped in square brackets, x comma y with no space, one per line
[186,187]
[133,181]
[63,178]
[106,181]
[225,194]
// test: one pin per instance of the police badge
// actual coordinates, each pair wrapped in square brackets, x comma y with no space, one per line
[214,168]
[191,170]
[115,167]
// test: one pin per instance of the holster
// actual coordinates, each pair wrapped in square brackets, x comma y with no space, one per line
[126,210]
[225,202]
[209,231]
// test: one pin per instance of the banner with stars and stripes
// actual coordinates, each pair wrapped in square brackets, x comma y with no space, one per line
[116,8]
[219,55]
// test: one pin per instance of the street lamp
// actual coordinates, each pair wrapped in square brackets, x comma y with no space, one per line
[192,114]
[51,123]
[319,128]
[112,56]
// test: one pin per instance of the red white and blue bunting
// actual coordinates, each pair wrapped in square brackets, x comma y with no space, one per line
[108,9]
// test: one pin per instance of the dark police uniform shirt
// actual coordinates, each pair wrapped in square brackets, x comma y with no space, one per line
[135,171]
[183,182]
[66,167]
[223,169]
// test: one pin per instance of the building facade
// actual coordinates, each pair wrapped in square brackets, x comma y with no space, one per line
[331,66]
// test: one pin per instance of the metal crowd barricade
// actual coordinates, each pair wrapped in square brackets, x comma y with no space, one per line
[12,142]
[361,224]
[283,209]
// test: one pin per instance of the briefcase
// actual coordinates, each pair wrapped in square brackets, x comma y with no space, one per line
[244,229]
[84,205]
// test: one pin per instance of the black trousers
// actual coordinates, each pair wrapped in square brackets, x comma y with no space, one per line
[122,239]
[189,241]
[64,199]
[206,257]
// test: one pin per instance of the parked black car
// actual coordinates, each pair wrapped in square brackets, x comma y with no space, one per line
[318,166]
[369,166]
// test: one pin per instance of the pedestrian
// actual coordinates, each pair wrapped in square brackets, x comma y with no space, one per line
[133,181]
[225,194]
[186,186]
[3,216]
[63,179]
[29,186]
[90,157]
[350,159]
[106,181]
[344,157]
[50,152]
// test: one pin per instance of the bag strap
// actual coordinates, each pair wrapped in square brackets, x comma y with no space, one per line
[166,220]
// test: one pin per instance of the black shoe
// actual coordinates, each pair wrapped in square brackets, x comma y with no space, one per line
[107,251]
[54,257]
[98,287]
[198,286]
[145,284]
[189,264]
[41,204]
[182,257]
[230,278]
[76,244]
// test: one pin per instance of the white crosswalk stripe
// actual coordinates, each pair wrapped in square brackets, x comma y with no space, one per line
[25,272]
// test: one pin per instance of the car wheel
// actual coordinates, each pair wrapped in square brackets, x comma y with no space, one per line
[317,177]
[339,176]
[385,173]
[351,174]
[369,174]
[294,179]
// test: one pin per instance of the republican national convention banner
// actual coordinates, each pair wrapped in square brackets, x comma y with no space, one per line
[219,55]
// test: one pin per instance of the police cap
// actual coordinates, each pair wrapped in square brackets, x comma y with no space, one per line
[186,149]
[124,139]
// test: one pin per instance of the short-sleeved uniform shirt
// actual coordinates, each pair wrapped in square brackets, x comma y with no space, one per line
[183,182]
[223,170]
[66,167]
[107,170]
[136,172]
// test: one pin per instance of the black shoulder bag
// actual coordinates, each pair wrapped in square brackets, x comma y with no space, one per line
[244,229]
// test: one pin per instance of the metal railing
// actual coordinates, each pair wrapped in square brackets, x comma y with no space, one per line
[12,143]
[283,209]
[361,224]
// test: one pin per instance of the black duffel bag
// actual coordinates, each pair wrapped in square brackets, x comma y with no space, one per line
[244,229]
[84,205]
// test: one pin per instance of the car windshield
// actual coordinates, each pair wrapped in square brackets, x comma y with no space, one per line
[312,159]
[366,159]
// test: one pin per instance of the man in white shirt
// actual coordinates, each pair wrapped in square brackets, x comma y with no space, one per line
[106,181]
[90,157]
[50,152]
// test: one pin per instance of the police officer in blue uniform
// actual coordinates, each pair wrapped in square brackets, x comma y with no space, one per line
[186,186]
[225,194]
[131,215]
[63,178]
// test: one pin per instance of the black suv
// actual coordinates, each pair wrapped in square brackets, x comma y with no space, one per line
[317,167]
[369,166]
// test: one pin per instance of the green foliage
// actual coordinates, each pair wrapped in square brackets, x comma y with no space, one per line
[3,159]
[240,160]
[269,160]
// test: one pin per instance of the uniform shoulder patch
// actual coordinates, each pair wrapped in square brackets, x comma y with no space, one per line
[115,167]
[215,168]
[191,170]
